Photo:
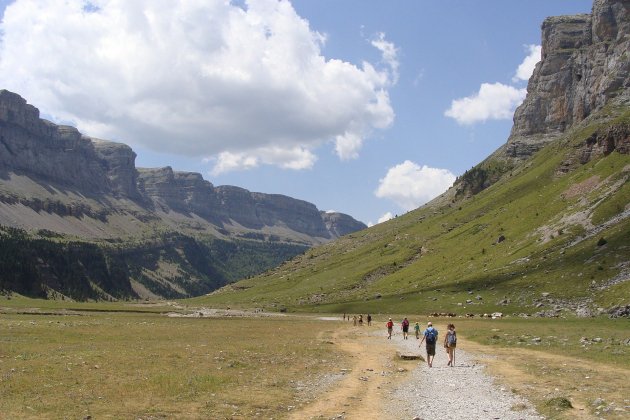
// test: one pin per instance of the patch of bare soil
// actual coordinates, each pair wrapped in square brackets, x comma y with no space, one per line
[371,373]
[594,389]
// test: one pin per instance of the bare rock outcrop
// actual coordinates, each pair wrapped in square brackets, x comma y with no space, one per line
[585,65]
[61,157]
[59,154]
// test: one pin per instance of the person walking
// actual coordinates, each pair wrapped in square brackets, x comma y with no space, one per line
[450,343]
[360,320]
[369,320]
[390,327]
[417,330]
[354,320]
[430,335]
[405,328]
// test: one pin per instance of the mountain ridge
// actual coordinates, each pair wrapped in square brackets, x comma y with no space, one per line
[61,186]
[540,227]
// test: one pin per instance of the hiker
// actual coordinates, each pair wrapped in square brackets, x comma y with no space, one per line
[430,334]
[344,316]
[417,330]
[354,320]
[450,342]
[390,327]
[369,319]
[360,320]
[405,328]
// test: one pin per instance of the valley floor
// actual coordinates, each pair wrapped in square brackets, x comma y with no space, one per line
[381,386]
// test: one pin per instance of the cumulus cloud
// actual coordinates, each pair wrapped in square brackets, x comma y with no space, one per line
[526,68]
[494,101]
[410,185]
[244,86]
[384,218]
[294,158]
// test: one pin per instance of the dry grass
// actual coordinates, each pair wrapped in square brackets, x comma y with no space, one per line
[558,369]
[134,365]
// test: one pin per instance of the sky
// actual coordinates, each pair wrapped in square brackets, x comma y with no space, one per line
[370,108]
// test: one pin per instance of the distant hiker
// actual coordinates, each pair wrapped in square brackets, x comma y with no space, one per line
[354,320]
[369,319]
[390,327]
[405,328]
[431,335]
[417,330]
[344,316]
[360,320]
[450,342]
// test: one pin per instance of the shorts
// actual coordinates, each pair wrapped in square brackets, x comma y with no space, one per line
[431,349]
[405,329]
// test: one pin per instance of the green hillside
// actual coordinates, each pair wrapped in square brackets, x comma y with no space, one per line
[551,235]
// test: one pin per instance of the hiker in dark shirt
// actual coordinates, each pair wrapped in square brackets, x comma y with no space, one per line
[369,320]
[405,328]
[430,335]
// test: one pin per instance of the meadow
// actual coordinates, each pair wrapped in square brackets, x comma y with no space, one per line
[145,365]
[131,360]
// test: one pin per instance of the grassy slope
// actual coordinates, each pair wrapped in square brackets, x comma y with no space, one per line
[432,258]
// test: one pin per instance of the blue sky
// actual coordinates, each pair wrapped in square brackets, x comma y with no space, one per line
[365,107]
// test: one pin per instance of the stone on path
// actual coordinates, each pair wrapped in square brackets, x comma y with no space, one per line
[409,356]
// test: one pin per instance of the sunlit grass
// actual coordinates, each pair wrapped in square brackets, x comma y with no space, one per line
[134,365]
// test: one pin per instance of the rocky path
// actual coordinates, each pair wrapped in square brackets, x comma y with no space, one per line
[375,384]
[441,392]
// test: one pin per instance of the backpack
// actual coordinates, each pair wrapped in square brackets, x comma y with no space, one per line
[431,335]
[405,323]
[451,338]
[390,324]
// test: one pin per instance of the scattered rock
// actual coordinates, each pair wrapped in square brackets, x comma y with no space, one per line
[409,356]
[583,312]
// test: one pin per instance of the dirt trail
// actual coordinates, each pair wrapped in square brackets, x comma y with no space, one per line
[542,375]
[373,370]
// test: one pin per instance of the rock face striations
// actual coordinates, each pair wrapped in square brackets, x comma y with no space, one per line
[61,157]
[585,65]
[60,154]
[584,70]
[78,219]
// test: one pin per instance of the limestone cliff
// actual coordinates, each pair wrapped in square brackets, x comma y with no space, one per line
[584,70]
[585,65]
[78,219]
[60,159]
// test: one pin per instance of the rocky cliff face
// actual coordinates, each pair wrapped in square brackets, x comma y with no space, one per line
[60,154]
[61,157]
[341,224]
[585,65]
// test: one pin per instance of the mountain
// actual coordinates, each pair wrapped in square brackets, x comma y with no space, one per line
[542,226]
[69,199]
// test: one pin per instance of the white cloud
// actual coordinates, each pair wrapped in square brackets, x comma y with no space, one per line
[384,218]
[390,54]
[494,101]
[295,158]
[526,68]
[245,86]
[410,185]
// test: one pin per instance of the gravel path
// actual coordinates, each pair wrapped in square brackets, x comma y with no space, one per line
[464,391]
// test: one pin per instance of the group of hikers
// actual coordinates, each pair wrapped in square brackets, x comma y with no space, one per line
[430,337]
[358,319]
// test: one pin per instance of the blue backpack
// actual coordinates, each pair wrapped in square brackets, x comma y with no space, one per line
[431,335]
